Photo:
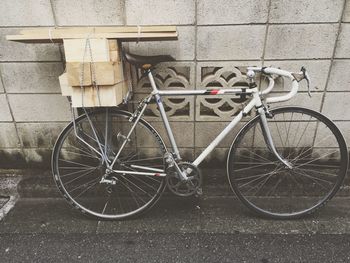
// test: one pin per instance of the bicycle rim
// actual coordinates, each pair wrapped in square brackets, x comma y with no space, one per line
[305,138]
[78,168]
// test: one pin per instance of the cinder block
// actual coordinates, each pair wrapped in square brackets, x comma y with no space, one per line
[88,12]
[183,133]
[317,69]
[1,86]
[12,158]
[180,49]
[230,42]
[8,136]
[5,114]
[39,135]
[37,158]
[179,108]
[300,41]
[340,77]
[302,99]
[216,159]
[346,17]
[344,127]
[206,132]
[299,11]
[39,107]
[231,12]
[337,106]
[15,51]
[168,75]
[26,13]
[206,69]
[330,141]
[154,12]
[343,44]
[31,77]
[187,154]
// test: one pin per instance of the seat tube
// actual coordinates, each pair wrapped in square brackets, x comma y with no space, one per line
[163,115]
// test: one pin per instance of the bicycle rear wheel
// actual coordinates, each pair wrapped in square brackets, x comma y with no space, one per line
[310,142]
[78,168]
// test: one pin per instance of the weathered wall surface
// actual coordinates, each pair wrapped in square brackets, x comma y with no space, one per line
[215,37]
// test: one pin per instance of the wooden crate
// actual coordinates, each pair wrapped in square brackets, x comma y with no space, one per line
[104,96]
[74,50]
[66,89]
[106,73]
[111,80]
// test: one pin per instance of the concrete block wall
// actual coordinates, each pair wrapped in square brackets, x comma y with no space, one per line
[212,34]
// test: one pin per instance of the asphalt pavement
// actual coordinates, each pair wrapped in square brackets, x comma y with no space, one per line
[42,227]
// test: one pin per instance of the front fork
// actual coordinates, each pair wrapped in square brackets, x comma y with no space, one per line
[263,112]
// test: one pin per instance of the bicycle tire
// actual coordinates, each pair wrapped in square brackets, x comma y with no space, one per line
[309,185]
[118,204]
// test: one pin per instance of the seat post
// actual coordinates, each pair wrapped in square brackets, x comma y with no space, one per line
[151,79]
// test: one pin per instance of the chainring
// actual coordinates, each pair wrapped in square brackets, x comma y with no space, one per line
[183,188]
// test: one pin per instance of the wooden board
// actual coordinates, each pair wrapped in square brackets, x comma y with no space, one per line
[74,70]
[108,29]
[107,73]
[74,50]
[105,96]
[113,45]
[46,35]
[66,89]
[114,55]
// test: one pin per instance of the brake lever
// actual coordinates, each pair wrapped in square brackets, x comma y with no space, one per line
[307,77]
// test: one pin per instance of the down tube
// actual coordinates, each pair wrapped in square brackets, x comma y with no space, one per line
[223,134]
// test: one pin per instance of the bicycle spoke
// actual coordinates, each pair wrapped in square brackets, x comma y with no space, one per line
[76,172]
[142,190]
[320,172]
[78,164]
[89,156]
[273,189]
[314,179]
[133,193]
[91,184]
[145,159]
[105,206]
[80,176]
[315,159]
[303,133]
[252,167]
[261,175]
[301,137]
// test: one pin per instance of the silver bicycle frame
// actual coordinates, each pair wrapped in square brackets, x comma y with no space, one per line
[157,94]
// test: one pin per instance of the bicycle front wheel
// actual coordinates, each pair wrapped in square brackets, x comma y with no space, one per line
[78,167]
[309,141]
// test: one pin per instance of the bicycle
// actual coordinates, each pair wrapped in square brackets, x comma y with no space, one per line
[284,163]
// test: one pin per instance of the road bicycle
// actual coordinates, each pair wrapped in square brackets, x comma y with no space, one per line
[284,163]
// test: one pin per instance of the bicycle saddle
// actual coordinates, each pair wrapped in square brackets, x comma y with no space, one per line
[146,62]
